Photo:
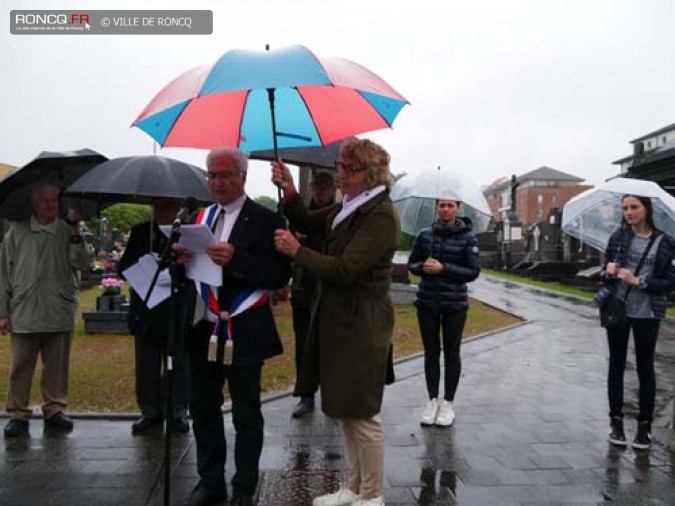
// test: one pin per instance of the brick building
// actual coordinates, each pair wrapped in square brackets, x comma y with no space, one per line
[537,192]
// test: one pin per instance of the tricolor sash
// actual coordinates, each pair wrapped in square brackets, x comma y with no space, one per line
[222,336]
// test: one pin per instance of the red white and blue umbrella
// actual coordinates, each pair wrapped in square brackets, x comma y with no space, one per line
[256,100]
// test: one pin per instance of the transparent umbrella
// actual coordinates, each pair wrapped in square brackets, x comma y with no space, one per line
[592,216]
[415,196]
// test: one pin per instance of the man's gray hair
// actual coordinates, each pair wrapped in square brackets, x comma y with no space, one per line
[231,154]
[38,189]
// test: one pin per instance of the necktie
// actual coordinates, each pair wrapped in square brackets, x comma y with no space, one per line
[219,222]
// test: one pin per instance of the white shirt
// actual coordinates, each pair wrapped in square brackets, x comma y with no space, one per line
[232,211]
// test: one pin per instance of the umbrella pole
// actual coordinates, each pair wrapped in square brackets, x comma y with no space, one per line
[270,96]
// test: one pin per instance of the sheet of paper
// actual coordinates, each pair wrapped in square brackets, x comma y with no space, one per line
[140,276]
[196,238]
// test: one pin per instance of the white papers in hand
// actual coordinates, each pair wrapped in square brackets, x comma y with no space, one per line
[140,276]
[197,238]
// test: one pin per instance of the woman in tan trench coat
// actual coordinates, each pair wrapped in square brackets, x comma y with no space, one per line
[352,314]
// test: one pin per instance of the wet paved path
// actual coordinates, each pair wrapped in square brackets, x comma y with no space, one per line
[531,429]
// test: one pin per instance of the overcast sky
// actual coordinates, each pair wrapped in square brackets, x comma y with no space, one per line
[496,86]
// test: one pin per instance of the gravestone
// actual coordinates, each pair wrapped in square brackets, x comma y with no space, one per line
[110,317]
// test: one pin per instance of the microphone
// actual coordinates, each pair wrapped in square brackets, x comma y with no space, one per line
[189,205]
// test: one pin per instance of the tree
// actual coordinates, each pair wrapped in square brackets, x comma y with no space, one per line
[268,202]
[123,216]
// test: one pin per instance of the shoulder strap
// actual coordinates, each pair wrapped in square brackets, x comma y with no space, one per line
[646,252]
[655,234]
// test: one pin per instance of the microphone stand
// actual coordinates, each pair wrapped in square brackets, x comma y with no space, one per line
[168,261]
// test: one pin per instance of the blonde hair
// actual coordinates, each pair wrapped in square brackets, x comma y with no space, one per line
[368,155]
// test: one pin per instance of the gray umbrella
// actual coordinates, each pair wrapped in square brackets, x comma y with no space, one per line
[140,178]
[58,168]
[318,156]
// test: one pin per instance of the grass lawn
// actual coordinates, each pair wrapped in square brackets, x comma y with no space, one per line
[102,365]
[558,287]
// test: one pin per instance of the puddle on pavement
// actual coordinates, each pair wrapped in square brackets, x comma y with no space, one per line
[438,487]
[297,487]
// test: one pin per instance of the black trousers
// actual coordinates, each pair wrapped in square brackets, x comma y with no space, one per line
[645,332]
[301,319]
[208,379]
[150,393]
[430,324]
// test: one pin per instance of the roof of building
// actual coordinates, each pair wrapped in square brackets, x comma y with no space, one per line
[548,174]
[663,152]
[667,150]
[655,132]
[621,160]
[543,173]
[497,183]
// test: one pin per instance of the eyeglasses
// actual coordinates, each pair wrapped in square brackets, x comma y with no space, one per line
[221,175]
[347,168]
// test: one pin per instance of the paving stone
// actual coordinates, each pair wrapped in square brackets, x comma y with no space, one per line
[290,488]
[531,429]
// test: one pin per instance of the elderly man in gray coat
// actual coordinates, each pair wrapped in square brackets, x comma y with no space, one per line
[39,259]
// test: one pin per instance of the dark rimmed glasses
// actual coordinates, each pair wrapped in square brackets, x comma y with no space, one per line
[347,168]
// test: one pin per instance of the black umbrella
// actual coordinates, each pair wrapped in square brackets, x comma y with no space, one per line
[318,156]
[57,168]
[140,178]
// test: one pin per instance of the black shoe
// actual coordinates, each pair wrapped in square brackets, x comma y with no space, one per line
[180,424]
[617,436]
[59,421]
[643,438]
[16,428]
[144,423]
[242,500]
[306,405]
[202,496]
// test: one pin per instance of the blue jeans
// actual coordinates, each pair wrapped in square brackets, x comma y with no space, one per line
[645,332]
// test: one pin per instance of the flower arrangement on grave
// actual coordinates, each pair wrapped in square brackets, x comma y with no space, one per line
[111,286]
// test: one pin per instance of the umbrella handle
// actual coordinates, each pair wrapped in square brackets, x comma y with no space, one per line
[270,96]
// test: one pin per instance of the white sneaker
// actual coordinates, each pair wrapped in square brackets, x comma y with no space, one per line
[429,413]
[343,497]
[376,501]
[446,415]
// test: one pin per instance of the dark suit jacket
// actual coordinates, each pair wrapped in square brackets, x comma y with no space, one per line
[142,320]
[257,265]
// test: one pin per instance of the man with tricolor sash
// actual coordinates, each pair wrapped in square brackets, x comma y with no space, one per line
[234,330]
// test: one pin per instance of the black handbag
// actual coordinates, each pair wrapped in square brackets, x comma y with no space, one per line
[613,311]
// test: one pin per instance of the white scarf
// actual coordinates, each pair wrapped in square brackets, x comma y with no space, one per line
[349,205]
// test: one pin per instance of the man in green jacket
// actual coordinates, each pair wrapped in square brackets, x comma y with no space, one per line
[39,259]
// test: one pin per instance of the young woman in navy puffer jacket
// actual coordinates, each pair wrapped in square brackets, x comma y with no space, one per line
[445,256]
